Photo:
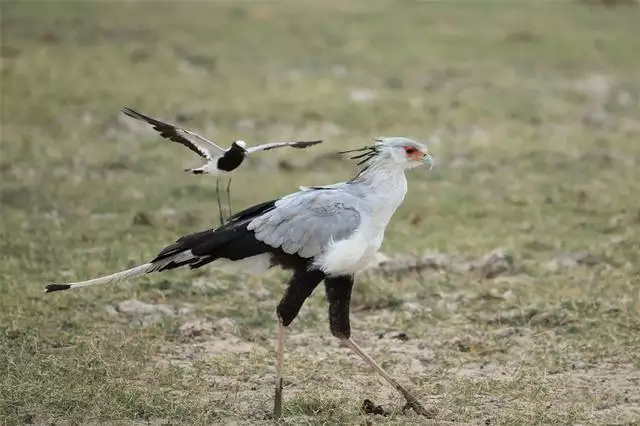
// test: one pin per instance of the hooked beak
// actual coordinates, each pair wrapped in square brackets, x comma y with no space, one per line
[427,159]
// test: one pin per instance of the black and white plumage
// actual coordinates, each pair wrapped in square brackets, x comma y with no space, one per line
[220,161]
[320,233]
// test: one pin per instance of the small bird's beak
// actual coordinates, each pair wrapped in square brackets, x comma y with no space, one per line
[428,160]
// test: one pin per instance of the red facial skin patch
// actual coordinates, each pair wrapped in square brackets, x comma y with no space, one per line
[413,153]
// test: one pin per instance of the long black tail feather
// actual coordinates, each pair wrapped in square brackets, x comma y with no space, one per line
[232,241]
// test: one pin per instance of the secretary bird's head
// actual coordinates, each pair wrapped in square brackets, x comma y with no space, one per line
[402,151]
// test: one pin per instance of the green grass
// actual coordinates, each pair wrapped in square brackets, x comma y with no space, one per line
[536,115]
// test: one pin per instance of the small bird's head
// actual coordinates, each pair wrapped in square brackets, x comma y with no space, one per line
[240,145]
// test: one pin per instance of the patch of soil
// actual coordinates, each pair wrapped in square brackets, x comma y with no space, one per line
[144,314]
[494,264]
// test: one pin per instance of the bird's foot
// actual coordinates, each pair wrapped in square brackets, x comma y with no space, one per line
[416,406]
[277,400]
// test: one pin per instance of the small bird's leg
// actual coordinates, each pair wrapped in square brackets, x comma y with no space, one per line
[219,202]
[277,400]
[338,291]
[229,197]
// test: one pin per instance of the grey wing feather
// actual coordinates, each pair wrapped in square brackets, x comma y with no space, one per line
[273,145]
[274,236]
[305,222]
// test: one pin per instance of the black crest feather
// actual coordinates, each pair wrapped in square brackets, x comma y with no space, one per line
[364,154]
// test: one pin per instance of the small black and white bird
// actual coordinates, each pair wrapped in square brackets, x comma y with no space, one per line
[220,161]
[322,233]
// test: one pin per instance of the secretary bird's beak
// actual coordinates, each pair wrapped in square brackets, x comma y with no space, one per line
[428,160]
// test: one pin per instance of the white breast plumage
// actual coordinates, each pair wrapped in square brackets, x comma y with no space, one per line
[355,252]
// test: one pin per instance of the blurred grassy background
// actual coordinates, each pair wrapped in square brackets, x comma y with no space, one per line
[531,111]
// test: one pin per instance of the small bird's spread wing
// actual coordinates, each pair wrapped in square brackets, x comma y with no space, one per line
[306,222]
[196,143]
[268,146]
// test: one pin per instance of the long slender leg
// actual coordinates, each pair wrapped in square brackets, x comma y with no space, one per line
[277,400]
[219,202]
[338,291]
[412,401]
[229,197]
[301,285]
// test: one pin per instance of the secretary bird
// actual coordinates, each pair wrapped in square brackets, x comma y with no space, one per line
[220,161]
[320,233]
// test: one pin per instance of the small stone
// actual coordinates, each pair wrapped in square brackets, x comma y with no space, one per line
[363,95]
[143,313]
[617,240]
[503,333]
[568,260]
[412,307]
[136,307]
[495,263]
[225,324]
[206,284]
[595,86]
[185,309]
[195,328]
[436,260]
[616,222]
[509,295]
[111,310]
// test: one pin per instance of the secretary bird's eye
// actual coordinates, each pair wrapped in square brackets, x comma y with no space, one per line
[410,150]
